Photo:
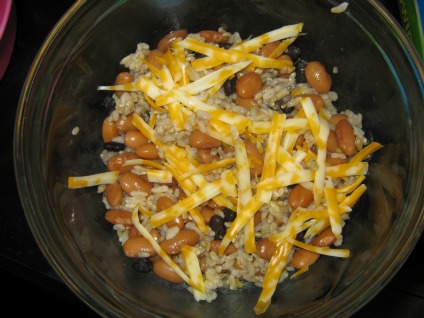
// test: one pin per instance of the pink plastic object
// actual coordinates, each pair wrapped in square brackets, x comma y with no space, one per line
[7,33]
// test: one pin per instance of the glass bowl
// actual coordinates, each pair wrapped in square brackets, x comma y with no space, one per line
[380,75]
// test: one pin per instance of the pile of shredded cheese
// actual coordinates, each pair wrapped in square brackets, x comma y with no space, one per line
[170,90]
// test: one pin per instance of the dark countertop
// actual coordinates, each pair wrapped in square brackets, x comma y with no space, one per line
[29,282]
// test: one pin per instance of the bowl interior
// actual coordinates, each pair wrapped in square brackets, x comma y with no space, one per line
[377,76]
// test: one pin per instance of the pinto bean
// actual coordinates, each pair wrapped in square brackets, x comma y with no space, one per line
[325,238]
[212,204]
[132,182]
[184,237]
[148,151]
[336,118]
[332,144]
[346,137]
[135,139]
[285,57]
[317,77]
[246,102]
[207,213]
[267,49]
[300,140]
[302,258]
[248,85]
[215,245]
[200,140]
[124,124]
[336,161]
[164,202]
[178,221]
[167,40]
[265,248]
[116,163]
[257,218]
[153,57]
[213,36]
[257,160]
[109,130]
[138,246]
[156,235]
[203,264]
[164,271]
[316,100]
[133,232]
[228,148]
[118,216]
[123,78]
[205,156]
[114,194]
[300,197]
[238,265]
[282,73]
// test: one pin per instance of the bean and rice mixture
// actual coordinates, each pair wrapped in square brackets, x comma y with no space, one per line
[228,161]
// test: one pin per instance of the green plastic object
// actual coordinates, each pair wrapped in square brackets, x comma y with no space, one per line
[412,14]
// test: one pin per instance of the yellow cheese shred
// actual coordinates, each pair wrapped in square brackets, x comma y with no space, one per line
[176,115]
[244,192]
[333,209]
[208,167]
[272,276]
[191,262]
[228,184]
[161,176]
[146,234]
[244,216]
[270,158]
[287,31]
[93,180]
[341,252]
[202,195]
[366,151]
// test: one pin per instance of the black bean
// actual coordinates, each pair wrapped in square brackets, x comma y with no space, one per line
[287,110]
[143,265]
[283,100]
[217,225]
[225,45]
[300,67]
[114,146]
[293,52]
[108,103]
[230,86]
[146,116]
[370,138]
[281,104]
[300,236]
[229,215]
[198,55]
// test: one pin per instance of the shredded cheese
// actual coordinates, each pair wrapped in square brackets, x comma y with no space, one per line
[181,88]
[93,180]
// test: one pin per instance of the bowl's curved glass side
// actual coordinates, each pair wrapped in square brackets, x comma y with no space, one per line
[62,225]
[394,201]
[69,225]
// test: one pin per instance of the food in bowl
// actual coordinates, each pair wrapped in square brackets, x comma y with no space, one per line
[228,161]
